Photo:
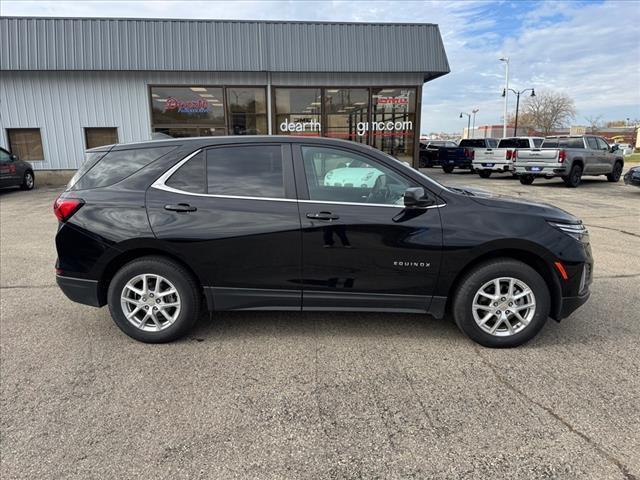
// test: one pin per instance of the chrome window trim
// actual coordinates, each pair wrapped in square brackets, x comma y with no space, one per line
[160,184]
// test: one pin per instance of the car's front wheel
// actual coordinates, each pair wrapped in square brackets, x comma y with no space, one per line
[501,303]
[154,299]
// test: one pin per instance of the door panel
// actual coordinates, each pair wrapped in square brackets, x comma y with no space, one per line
[247,249]
[366,254]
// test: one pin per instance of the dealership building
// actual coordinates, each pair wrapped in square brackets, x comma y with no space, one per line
[68,84]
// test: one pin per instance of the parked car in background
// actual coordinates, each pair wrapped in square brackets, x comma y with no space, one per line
[632,177]
[625,148]
[158,230]
[502,158]
[14,172]
[430,152]
[570,157]
[462,155]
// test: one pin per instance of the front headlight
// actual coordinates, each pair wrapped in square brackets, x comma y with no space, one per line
[575,230]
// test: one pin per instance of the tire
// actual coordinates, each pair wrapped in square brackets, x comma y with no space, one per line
[484,173]
[482,277]
[447,168]
[616,173]
[526,179]
[173,276]
[28,181]
[575,175]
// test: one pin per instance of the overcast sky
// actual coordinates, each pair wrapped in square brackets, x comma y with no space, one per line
[588,49]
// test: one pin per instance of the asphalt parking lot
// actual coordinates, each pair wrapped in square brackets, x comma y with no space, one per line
[319,395]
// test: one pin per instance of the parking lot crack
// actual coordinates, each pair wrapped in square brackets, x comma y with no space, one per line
[8,287]
[614,230]
[624,470]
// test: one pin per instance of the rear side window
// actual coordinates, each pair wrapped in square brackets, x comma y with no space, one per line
[90,159]
[591,141]
[191,176]
[248,171]
[115,166]
[514,143]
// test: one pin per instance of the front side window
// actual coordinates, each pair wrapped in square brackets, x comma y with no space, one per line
[602,145]
[26,143]
[248,171]
[4,155]
[340,176]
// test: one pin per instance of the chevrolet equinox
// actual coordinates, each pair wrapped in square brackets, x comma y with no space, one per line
[163,229]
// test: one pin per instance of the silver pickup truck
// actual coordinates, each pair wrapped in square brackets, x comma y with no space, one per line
[501,159]
[570,157]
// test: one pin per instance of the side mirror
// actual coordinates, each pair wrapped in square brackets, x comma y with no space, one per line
[415,197]
[13,157]
[614,148]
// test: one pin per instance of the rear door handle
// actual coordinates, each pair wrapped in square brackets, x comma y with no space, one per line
[180,207]
[322,216]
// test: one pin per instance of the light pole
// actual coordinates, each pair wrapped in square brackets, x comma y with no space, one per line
[473,126]
[468,121]
[504,93]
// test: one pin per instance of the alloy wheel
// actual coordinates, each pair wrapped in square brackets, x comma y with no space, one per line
[504,306]
[150,302]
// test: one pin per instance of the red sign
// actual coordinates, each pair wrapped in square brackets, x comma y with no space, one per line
[394,100]
[194,106]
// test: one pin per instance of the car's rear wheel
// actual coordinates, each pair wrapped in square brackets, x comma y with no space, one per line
[526,179]
[447,168]
[154,299]
[575,175]
[616,173]
[501,303]
[484,173]
[28,181]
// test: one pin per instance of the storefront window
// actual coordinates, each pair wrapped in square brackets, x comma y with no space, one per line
[298,111]
[347,110]
[247,109]
[393,122]
[182,106]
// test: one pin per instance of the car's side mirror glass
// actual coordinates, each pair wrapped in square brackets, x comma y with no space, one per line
[416,197]
[13,157]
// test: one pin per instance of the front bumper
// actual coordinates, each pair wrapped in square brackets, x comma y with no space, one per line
[631,179]
[80,290]
[571,304]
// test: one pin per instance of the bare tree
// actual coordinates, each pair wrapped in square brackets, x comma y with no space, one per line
[549,110]
[594,121]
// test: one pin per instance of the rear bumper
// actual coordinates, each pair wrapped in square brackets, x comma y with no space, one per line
[541,169]
[494,166]
[571,304]
[80,290]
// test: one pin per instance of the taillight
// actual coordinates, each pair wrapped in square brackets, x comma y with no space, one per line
[509,154]
[514,156]
[64,208]
[562,156]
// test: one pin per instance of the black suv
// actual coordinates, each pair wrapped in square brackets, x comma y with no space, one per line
[159,230]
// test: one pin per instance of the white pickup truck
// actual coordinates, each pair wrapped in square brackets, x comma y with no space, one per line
[501,159]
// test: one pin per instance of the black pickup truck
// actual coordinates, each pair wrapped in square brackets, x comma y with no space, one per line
[462,156]
[430,152]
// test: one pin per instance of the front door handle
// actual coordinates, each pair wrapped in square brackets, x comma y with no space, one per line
[180,207]
[322,216]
